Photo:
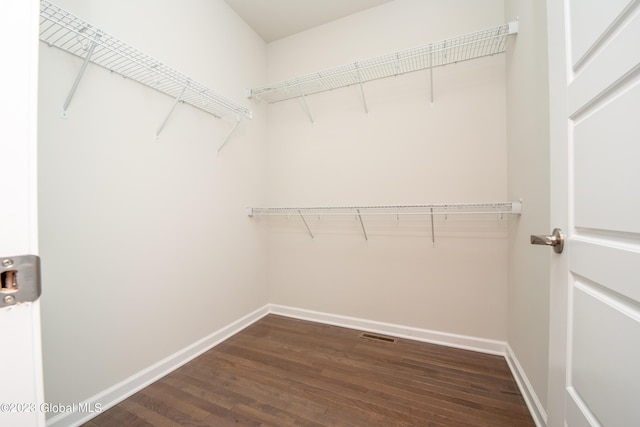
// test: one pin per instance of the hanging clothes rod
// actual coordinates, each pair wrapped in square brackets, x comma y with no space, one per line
[66,31]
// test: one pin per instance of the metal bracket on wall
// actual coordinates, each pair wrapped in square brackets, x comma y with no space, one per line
[364,99]
[431,81]
[306,106]
[173,107]
[305,223]
[433,233]
[364,231]
[226,138]
[90,49]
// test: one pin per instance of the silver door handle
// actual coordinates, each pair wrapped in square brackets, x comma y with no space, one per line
[556,239]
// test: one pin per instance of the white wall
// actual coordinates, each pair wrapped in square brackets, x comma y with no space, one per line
[403,152]
[528,148]
[145,245]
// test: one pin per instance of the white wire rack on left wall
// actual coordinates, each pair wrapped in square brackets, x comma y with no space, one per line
[66,31]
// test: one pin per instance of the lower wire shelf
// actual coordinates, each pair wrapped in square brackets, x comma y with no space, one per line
[431,210]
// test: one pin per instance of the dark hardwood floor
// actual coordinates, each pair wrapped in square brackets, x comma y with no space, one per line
[287,372]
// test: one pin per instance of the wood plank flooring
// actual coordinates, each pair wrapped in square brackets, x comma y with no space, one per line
[287,372]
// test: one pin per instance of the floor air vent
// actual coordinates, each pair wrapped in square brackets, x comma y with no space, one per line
[379,338]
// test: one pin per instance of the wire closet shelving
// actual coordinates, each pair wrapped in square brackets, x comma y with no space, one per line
[68,32]
[430,210]
[463,48]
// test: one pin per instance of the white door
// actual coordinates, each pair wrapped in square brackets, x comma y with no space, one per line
[21,389]
[594,377]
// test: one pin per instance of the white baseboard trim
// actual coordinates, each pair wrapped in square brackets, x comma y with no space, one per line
[536,409]
[138,381]
[481,345]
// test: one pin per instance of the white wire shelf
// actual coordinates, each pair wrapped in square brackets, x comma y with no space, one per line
[463,48]
[495,208]
[66,31]
[486,208]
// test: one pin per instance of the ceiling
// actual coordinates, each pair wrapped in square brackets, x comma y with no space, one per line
[276,19]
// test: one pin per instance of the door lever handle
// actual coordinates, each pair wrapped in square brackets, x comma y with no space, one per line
[556,240]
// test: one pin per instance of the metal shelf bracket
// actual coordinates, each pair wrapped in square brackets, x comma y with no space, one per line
[364,99]
[226,138]
[85,62]
[306,106]
[305,223]
[164,122]
[433,233]
[364,231]
[431,79]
